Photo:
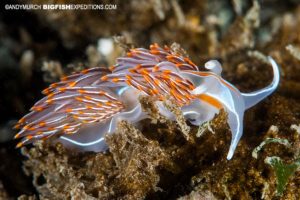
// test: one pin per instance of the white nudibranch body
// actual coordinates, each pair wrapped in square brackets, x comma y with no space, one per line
[82,108]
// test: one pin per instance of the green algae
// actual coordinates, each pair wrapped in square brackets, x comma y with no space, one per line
[283,171]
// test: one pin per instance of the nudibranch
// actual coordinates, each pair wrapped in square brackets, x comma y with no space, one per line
[82,108]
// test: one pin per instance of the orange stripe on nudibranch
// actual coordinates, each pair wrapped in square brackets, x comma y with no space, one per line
[128,77]
[17,126]
[88,97]
[154,91]
[155,68]
[165,76]
[37,108]
[81,91]
[62,89]
[72,84]
[156,82]
[29,137]
[155,52]
[104,78]
[49,100]
[50,128]
[19,145]
[46,91]
[217,77]
[79,99]
[50,95]
[171,58]
[189,61]
[64,78]
[108,103]
[85,71]
[17,136]
[68,110]
[112,68]
[115,80]
[154,46]
[53,85]
[137,67]
[211,100]
[144,72]
[42,124]
[128,81]
[132,70]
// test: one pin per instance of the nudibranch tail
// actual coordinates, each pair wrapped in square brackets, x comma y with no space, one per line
[253,98]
